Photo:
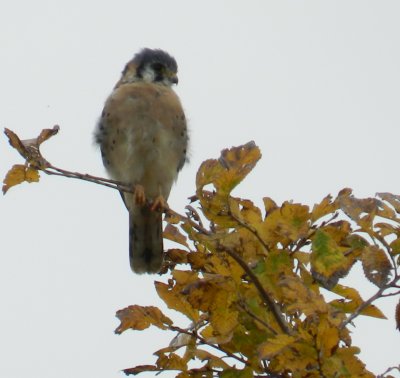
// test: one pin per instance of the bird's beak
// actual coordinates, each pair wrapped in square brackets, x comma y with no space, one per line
[174,79]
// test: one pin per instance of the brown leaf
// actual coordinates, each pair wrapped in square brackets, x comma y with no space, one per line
[178,256]
[18,174]
[172,233]
[29,148]
[363,210]
[141,317]
[393,199]
[47,134]
[140,369]
[213,361]
[376,265]
[15,142]
[397,316]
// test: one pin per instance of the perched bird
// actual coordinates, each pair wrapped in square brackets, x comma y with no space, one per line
[143,140]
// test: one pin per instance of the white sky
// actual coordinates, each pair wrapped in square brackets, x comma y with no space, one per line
[314,83]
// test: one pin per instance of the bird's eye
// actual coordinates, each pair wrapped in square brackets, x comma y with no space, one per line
[157,67]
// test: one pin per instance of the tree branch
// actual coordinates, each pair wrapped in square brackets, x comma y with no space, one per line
[364,305]
[52,170]
[264,295]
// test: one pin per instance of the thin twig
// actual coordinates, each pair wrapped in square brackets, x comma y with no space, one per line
[365,304]
[198,227]
[52,170]
[256,318]
[251,229]
[302,242]
[388,370]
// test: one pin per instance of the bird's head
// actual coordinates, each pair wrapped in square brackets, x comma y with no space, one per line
[151,66]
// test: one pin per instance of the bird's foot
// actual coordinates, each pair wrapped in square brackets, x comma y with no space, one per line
[138,195]
[159,204]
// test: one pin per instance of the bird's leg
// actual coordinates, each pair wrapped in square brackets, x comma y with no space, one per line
[159,204]
[139,197]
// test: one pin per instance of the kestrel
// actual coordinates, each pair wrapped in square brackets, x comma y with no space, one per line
[143,140]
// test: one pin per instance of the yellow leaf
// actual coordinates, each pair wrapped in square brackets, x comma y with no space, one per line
[238,162]
[352,302]
[197,260]
[325,207]
[213,361]
[351,364]
[235,373]
[274,346]
[175,300]
[348,293]
[245,211]
[200,294]
[299,297]
[223,175]
[395,246]
[269,205]
[327,337]
[18,174]
[373,311]
[223,316]
[171,362]
[141,317]
[328,263]
[288,359]
[288,223]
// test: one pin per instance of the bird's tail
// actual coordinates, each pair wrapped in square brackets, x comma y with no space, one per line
[145,240]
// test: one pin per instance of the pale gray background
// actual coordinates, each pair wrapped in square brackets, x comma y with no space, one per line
[314,83]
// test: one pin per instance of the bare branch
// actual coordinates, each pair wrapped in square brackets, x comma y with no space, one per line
[52,170]
[388,370]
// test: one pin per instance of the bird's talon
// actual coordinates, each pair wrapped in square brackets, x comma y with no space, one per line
[138,195]
[159,204]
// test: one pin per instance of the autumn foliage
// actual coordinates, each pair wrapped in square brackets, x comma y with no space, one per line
[253,282]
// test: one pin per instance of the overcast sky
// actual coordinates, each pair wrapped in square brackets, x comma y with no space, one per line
[316,84]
